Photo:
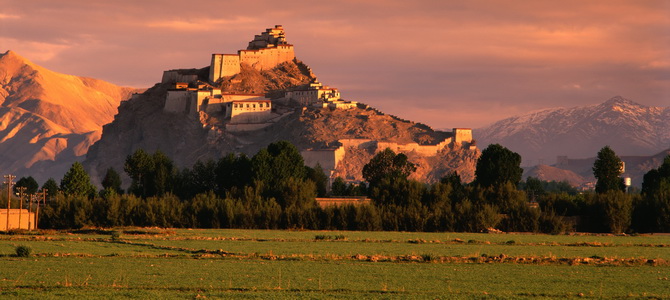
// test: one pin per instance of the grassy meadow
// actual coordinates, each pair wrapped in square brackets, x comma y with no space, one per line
[181,263]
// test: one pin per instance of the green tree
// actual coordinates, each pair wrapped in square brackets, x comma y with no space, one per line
[498,165]
[162,177]
[458,192]
[276,165]
[278,162]
[652,212]
[76,182]
[317,175]
[233,171]
[138,166]
[610,211]
[607,170]
[29,183]
[112,181]
[151,175]
[339,187]
[52,188]
[534,188]
[387,164]
[657,178]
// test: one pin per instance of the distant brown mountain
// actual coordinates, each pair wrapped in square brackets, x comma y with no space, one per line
[549,173]
[48,120]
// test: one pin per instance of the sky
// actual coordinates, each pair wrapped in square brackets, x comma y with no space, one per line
[443,63]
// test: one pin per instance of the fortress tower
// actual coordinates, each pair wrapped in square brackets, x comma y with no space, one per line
[265,51]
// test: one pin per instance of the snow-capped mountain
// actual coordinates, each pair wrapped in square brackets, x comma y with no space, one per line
[628,127]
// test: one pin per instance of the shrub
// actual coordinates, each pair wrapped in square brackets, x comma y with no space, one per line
[427,257]
[23,251]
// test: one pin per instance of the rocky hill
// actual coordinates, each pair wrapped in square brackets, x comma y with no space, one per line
[142,122]
[550,173]
[628,127]
[49,120]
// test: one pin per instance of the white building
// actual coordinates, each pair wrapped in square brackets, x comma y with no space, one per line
[315,94]
[249,111]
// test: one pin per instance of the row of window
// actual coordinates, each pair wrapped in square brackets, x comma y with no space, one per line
[251,105]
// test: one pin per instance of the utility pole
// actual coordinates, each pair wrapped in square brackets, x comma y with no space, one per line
[37,210]
[44,200]
[8,182]
[21,189]
[30,207]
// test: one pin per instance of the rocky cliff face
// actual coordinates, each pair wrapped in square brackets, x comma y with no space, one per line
[628,127]
[49,120]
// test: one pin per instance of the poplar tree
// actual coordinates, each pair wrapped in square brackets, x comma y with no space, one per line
[607,169]
[387,165]
[76,182]
[29,183]
[498,165]
[112,181]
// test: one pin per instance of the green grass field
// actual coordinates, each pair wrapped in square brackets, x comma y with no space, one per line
[157,263]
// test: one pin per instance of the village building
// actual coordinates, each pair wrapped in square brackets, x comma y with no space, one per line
[189,100]
[18,219]
[313,94]
[249,111]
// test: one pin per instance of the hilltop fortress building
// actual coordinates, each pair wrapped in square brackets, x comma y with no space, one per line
[191,96]
[265,51]
[249,112]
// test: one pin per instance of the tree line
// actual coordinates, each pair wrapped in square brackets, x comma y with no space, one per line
[275,190]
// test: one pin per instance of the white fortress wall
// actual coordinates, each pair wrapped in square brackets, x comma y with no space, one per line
[223,65]
[249,111]
[177,101]
[328,159]
[267,58]
[358,143]
[173,76]
[462,135]
[246,127]
[240,97]
[251,117]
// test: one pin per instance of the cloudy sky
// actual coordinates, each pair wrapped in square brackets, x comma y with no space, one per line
[444,63]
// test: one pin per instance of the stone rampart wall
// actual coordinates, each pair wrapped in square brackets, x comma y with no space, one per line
[177,101]
[328,159]
[173,76]
[267,58]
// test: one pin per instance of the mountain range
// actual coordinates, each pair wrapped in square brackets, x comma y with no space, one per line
[629,128]
[49,120]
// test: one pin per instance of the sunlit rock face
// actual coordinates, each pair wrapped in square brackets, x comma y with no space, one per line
[49,120]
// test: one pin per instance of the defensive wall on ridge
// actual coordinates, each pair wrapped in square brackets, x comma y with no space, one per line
[329,158]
